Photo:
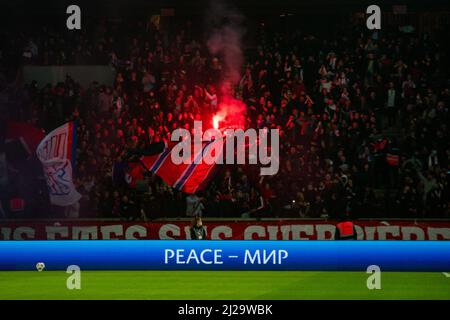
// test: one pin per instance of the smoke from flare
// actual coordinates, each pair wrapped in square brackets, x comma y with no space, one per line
[226,42]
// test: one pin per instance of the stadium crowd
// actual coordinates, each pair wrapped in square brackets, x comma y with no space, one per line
[363,119]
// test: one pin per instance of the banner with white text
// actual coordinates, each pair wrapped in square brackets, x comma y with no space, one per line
[221,230]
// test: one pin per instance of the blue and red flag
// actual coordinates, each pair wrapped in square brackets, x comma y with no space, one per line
[187,177]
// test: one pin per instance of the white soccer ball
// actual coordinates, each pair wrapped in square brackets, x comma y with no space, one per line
[40,266]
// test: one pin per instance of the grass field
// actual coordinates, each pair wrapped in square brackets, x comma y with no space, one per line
[222,285]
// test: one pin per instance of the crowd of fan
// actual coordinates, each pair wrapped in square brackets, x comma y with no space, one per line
[363,119]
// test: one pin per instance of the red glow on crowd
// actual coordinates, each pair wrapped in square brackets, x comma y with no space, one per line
[231,114]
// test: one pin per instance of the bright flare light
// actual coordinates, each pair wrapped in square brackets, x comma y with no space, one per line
[216,120]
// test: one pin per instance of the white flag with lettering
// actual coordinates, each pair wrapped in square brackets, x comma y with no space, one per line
[56,153]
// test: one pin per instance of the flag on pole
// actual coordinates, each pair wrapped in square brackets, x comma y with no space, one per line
[187,177]
[57,155]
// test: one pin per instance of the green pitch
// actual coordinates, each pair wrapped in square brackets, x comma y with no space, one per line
[222,285]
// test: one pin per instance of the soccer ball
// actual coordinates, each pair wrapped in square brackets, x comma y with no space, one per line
[40,266]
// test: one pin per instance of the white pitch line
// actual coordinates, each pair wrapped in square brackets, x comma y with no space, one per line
[446,274]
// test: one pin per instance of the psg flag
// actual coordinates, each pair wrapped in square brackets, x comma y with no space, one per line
[189,177]
[57,153]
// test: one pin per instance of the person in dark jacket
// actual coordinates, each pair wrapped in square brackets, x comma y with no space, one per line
[198,231]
